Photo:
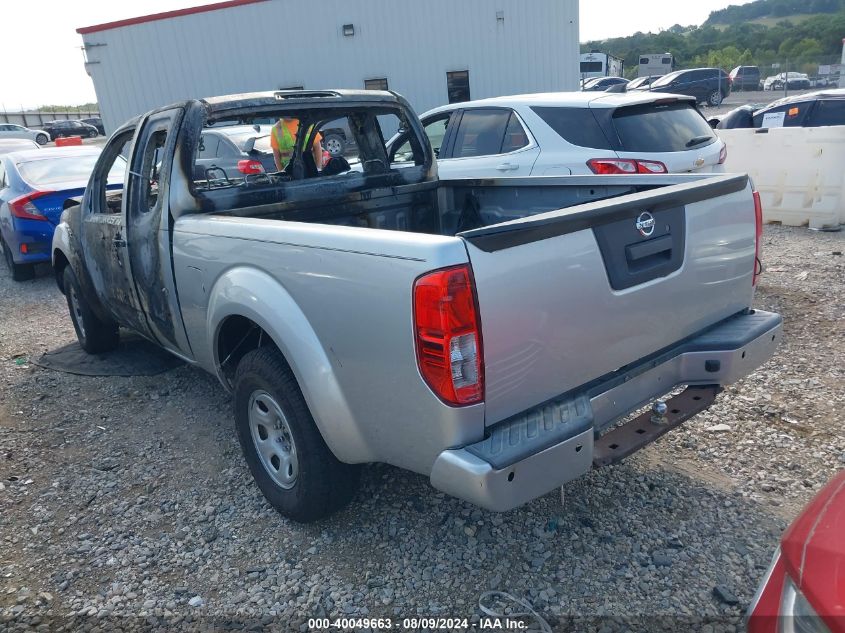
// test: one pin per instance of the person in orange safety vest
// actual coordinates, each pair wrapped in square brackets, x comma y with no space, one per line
[283,140]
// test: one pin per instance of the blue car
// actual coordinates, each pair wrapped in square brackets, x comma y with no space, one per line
[35,187]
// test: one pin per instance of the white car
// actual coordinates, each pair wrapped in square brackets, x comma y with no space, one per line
[16,145]
[11,130]
[794,81]
[563,133]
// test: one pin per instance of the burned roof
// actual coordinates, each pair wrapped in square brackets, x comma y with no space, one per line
[276,98]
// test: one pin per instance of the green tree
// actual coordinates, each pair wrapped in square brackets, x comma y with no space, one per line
[811,41]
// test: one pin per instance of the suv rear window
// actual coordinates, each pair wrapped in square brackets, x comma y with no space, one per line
[574,125]
[671,127]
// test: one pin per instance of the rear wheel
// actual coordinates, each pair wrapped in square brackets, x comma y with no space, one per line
[95,335]
[287,456]
[93,133]
[715,98]
[42,139]
[20,272]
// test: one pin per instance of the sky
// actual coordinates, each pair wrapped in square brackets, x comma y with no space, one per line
[48,69]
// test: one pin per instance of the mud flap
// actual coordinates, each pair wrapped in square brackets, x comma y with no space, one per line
[616,445]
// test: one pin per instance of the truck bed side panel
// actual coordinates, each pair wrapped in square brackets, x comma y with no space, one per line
[351,290]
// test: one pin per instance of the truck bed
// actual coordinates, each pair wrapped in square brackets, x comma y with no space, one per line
[560,305]
[448,207]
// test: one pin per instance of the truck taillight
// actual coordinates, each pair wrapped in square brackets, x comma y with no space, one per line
[758,234]
[448,335]
[610,166]
[24,208]
[250,166]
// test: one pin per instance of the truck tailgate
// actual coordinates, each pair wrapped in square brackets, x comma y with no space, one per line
[568,296]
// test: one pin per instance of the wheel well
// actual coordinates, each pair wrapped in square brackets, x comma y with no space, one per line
[60,262]
[237,336]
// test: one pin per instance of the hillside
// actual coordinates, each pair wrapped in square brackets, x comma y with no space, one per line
[802,33]
[769,12]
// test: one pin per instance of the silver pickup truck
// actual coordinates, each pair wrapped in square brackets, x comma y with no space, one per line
[489,334]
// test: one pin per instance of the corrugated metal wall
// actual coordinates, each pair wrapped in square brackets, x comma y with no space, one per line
[508,46]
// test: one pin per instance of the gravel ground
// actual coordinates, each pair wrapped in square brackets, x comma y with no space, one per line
[125,503]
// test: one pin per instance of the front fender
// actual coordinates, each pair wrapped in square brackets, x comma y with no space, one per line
[61,247]
[253,294]
[61,242]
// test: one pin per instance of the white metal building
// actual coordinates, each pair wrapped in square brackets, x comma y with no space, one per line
[425,51]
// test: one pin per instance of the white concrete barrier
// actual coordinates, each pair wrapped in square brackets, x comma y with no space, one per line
[799,172]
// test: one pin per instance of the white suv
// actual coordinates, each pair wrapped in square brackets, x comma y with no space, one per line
[565,133]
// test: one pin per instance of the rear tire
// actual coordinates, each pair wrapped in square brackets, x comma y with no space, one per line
[94,334]
[42,139]
[93,133]
[715,98]
[288,458]
[20,272]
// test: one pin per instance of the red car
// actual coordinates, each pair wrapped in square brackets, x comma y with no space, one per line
[804,589]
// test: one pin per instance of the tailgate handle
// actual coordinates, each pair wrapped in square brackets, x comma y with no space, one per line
[657,246]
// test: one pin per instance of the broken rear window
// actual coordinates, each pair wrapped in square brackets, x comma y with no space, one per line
[279,156]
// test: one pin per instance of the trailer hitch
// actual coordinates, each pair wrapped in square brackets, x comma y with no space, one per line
[622,441]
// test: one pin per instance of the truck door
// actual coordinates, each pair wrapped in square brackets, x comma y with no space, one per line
[147,229]
[103,234]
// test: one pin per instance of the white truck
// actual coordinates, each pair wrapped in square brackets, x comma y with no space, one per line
[488,333]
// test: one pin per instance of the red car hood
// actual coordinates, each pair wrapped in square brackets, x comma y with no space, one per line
[813,550]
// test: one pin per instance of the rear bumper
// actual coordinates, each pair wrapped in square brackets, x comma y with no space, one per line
[537,450]
[34,236]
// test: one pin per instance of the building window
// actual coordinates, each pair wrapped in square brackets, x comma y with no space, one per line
[457,85]
[375,84]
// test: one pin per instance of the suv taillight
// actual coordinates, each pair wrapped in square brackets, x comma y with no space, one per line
[448,335]
[610,166]
[24,208]
[758,234]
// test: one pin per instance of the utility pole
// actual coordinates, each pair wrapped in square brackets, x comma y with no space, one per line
[786,79]
[841,73]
